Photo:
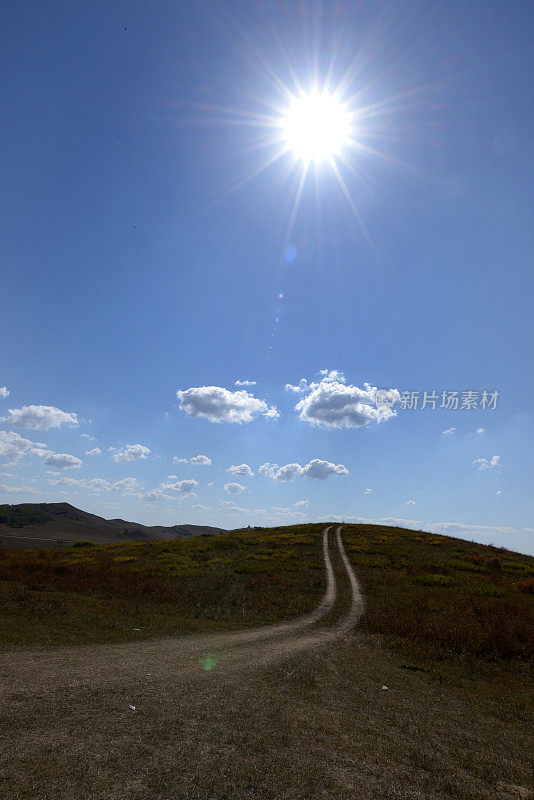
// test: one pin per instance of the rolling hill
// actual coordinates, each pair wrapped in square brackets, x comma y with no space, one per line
[53,525]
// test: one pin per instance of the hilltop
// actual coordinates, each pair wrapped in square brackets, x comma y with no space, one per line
[424,698]
[53,525]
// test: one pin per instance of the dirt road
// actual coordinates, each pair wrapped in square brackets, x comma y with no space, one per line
[38,671]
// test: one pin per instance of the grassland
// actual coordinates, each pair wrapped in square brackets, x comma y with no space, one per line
[433,594]
[88,594]
[448,630]
[444,596]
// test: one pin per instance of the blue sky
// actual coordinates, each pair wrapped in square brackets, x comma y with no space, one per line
[149,248]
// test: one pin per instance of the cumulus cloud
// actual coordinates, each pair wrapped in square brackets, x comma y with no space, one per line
[132,452]
[367,491]
[41,418]
[233,488]
[302,504]
[488,463]
[4,391]
[64,461]
[449,432]
[319,470]
[410,502]
[186,486]
[13,446]
[333,403]
[278,473]
[5,489]
[154,495]
[481,430]
[316,469]
[96,451]
[125,485]
[245,383]
[200,460]
[222,405]
[88,436]
[240,469]
[99,484]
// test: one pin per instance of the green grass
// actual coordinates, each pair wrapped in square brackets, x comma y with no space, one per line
[439,596]
[90,593]
[428,595]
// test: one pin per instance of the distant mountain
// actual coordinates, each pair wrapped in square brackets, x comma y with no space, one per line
[46,525]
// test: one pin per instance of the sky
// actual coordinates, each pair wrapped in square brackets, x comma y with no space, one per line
[198,306]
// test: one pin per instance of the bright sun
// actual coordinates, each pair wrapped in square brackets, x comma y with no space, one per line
[316,126]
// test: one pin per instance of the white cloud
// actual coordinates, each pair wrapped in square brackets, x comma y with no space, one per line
[41,418]
[367,491]
[320,470]
[64,461]
[301,386]
[125,485]
[481,430]
[186,486]
[99,485]
[4,391]
[233,488]
[460,527]
[410,502]
[222,405]
[334,404]
[499,491]
[201,461]
[302,504]
[245,383]
[316,469]
[198,507]
[96,451]
[132,452]
[488,463]
[449,432]
[67,482]
[154,495]
[240,469]
[278,473]
[17,489]
[13,446]
[88,436]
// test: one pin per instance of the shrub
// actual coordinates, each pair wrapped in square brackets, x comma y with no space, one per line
[493,564]
[83,543]
[526,586]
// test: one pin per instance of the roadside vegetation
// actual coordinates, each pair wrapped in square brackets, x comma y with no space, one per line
[90,593]
[443,596]
[428,595]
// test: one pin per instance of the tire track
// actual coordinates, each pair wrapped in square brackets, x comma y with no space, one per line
[26,674]
[77,665]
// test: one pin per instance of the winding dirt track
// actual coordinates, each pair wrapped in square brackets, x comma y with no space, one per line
[33,672]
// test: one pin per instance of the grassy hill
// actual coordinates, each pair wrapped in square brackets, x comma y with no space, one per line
[433,594]
[427,699]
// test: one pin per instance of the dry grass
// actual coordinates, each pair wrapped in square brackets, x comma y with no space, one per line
[90,593]
[315,725]
[442,596]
